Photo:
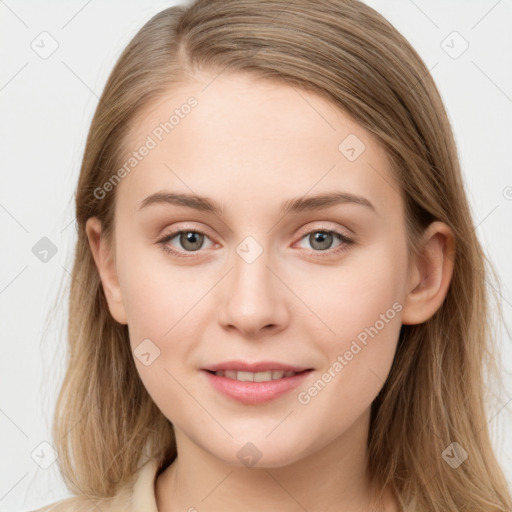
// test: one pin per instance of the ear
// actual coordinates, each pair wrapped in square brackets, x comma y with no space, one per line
[430,274]
[103,257]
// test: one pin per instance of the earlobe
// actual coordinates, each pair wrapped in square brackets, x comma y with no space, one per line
[430,275]
[105,264]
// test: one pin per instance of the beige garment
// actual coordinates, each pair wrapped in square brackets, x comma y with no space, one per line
[139,498]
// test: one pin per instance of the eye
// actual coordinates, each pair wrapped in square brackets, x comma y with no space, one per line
[322,239]
[191,240]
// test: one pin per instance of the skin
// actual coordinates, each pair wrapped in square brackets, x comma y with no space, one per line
[251,144]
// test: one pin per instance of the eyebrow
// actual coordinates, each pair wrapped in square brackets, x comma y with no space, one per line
[294,205]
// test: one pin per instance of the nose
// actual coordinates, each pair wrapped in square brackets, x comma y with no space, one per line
[253,298]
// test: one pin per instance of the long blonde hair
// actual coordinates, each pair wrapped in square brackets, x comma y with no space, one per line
[350,55]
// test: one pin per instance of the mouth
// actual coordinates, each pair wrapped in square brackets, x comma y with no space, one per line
[255,387]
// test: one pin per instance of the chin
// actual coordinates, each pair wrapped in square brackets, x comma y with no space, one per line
[260,454]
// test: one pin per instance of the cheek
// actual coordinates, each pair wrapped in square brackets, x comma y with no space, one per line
[155,294]
[162,304]
[160,332]
[352,296]
[357,363]
[363,305]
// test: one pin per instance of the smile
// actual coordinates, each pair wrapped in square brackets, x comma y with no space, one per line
[252,388]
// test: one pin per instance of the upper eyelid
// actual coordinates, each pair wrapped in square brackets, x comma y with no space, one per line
[324,227]
[176,231]
[303,231]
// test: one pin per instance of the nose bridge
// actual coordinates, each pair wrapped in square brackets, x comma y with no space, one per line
[251,278]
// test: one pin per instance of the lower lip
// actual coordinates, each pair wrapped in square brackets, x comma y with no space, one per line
[252,393]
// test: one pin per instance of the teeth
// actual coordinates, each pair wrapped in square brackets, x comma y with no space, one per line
[262,376]
[245,376]
[255,377]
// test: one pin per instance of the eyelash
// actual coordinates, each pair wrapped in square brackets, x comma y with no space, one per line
[328,253]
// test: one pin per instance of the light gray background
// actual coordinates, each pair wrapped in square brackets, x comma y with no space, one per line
[46,108]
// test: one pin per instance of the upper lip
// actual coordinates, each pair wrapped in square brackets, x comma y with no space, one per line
[261,366]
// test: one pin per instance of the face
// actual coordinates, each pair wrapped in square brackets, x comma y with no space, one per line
[317,287]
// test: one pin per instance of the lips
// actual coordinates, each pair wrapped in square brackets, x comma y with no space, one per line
[254,392]
[255,383]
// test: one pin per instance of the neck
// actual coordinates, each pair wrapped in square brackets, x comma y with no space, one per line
[330,479]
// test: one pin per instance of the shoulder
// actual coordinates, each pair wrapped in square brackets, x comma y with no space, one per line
[120,502]
[136,495]
[83,504]
[74,504]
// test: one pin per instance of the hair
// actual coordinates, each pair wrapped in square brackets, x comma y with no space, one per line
[350,55]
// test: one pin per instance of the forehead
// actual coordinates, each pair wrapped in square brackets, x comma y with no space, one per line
[252,142]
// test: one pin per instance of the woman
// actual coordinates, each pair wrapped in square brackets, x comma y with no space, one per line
[216,361]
